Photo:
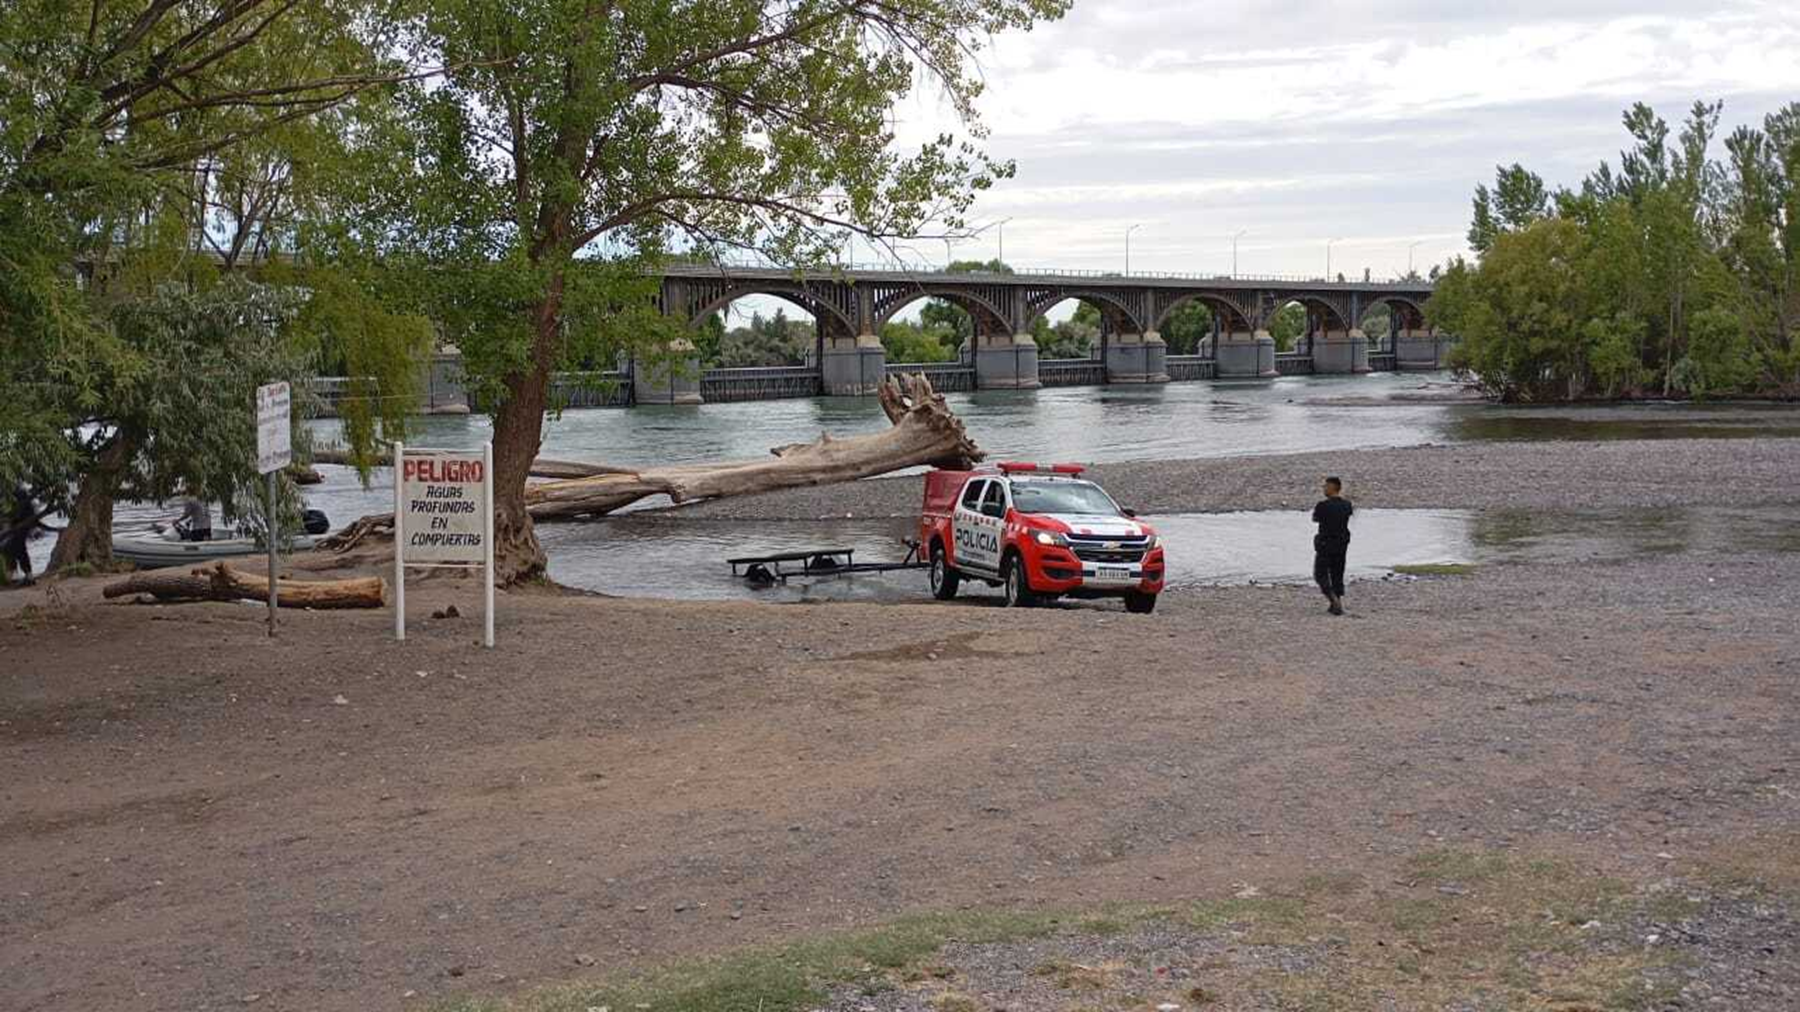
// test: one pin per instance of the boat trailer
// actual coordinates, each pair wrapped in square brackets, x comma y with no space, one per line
[768,570]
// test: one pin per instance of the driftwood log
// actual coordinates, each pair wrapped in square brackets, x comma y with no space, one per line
[925,432]
[543,467]
[220,582]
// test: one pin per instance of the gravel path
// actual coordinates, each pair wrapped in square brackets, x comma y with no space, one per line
[1533,475]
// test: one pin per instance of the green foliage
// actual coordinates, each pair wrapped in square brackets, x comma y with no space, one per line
[152,159]
[1674,273]
[568,147]
[1075,337]
[1517,199]
[1187,326]
[768,341]
[910,342]
[1287,325]
[709,339]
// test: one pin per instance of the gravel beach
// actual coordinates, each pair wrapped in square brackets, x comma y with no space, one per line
[200,817]
[1554,475]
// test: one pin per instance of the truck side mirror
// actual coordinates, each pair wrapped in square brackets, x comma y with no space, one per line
[1129,513]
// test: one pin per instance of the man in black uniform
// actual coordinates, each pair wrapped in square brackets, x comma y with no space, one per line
[1332,543]
[22,520]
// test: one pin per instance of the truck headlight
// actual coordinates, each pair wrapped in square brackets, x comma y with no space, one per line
[1047,538]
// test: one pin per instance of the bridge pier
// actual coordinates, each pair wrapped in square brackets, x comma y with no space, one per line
[1006,362]
[670,379]
[1246,355]
[852,366]
[1417,349]
[444,393]
[1338,351]
[1137,358]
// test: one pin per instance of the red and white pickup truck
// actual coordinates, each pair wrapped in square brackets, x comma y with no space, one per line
[1039,531]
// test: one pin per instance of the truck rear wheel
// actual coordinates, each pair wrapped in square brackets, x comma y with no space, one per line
[944,580]
[1140,603]
[1018,588]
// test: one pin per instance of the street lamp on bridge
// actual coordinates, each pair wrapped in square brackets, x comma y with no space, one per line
[1000,228]
[1128,232]
[1409,255]
[1235,236]
[1328,243]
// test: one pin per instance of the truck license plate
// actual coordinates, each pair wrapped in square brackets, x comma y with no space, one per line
[1112,574]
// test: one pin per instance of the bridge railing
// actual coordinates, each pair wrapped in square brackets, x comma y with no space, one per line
[1383,361]
[1182,368]
[903,266]
[605,389]
[1294,365]
[1071,372]
[718,386]
[945,377]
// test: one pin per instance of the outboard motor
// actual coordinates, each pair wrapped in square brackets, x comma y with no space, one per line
[314,521]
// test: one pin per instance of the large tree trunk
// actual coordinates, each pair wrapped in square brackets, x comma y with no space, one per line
[925,432]
[220,582]
[518,434]
[88,537]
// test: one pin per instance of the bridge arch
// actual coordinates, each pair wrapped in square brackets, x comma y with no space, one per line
[1118,315]
[988,318]
[1231,317]
[1409,312]
[836,320]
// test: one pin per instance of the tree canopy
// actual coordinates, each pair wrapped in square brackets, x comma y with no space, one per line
[1675,273]
[566,147]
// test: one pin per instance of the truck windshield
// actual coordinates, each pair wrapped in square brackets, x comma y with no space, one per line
[1061,497]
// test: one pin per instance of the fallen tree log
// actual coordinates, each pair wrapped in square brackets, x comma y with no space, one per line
[220,582]
[925,432]
[543,467]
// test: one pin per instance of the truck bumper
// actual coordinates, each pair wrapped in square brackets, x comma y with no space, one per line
[1055,570]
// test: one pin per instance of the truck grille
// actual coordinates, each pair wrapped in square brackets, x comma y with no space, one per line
[1097,548]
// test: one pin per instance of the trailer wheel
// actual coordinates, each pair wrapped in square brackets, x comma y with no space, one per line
[944,580]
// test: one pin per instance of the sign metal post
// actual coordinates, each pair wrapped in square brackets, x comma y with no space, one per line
[274,451]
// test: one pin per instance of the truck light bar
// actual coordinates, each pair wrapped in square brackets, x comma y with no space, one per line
[1020,467]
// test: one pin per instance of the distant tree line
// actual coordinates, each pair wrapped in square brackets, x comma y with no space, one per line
[1673,274]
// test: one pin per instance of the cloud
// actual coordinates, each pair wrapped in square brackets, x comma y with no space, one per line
[1306,120]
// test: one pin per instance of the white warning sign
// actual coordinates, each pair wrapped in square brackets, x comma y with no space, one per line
[443,499]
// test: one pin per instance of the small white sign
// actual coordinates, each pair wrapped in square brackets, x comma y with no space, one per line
[274,447]
[444,498]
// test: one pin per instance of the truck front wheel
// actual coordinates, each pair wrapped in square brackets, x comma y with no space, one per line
[1140,603]
[1018,588]
[944,580]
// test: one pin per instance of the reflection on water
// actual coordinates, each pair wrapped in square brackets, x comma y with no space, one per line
[673,557]
[661,556]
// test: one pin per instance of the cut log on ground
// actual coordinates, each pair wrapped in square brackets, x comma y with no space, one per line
[925,432]
[220,582]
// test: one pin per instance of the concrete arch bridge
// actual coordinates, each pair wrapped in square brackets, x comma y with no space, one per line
[850,306]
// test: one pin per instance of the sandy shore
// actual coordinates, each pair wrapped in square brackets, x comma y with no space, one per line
[199,818]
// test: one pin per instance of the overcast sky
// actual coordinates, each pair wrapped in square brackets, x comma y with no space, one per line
[1306,120]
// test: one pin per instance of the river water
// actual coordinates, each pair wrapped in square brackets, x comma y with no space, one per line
[643,553]
[1098,425]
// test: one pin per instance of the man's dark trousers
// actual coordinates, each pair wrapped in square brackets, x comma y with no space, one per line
[1328,565]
